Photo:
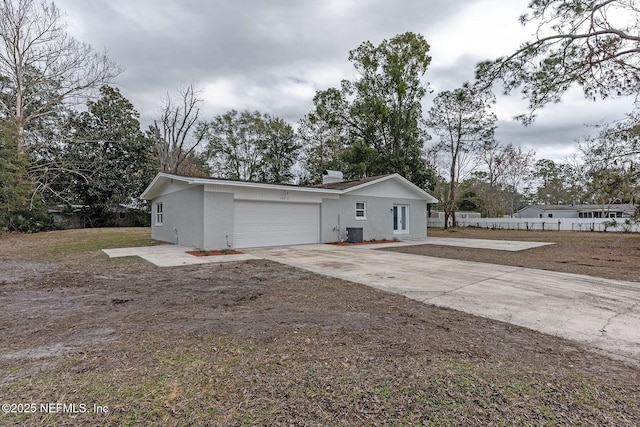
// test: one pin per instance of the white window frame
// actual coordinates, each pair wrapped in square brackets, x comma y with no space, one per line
[159,211]
[363,209]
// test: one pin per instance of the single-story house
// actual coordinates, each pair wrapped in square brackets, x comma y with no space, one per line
[74,216]
[577,211]
[459,214]
[212,213]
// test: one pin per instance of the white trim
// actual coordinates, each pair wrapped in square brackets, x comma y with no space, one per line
[363,210]
[148,193]
[151,191]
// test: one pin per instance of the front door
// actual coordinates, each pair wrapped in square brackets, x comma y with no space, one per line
[400,219]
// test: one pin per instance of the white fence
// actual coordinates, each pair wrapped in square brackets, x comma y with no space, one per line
[549,224]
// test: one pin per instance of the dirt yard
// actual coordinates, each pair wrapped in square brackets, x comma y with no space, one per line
[608,255]
[87,340]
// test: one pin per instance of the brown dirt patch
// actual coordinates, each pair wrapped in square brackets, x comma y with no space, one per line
[365,242]
[258,343]
[214,252]
[607,255]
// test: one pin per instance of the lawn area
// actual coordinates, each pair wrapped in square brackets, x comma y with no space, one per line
[608,255]
[258,343]
[71,246]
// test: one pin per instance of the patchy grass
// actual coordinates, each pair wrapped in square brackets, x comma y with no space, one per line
[258,343]
[607,255]
[206,380]
[63,246]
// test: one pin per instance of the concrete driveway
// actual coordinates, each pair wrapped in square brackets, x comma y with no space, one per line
[601,313]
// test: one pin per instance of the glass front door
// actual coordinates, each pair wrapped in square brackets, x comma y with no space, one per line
[400,219]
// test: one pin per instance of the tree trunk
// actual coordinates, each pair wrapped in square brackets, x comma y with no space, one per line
[450,205]
[20,139]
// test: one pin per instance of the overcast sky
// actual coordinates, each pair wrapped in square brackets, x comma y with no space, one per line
[272,56]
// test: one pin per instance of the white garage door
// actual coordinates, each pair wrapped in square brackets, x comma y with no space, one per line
[274,224]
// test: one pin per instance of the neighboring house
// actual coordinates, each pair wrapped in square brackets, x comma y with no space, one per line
[212,213]
[459,214]
[131,216]
[71,216]
[577,211]
[66,217]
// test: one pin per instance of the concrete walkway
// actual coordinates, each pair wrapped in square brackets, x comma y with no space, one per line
[175,256]
[601,313]
[501,245]
[172,255]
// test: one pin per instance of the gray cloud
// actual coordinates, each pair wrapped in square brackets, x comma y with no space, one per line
[273,55]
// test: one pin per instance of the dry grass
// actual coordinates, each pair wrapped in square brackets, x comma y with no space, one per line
[608,255]
[257,343]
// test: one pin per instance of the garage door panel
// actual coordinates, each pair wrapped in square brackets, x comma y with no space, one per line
[258,224]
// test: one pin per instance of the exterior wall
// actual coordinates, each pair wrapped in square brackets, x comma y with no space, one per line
[548,224]
[529,212]
[331,217]
[269,195]
[560,213]
[387,189]
[578,211]
[183,217]
[418,219]
[459,214]
[555,213]
[218,220]
[338,215]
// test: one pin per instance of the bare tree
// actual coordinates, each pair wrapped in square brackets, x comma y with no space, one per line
[508,168]
[517,169]
[42,66]
[177,133]
[464,125]
[234,147]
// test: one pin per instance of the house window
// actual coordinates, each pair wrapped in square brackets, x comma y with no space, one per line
[550,215]
[159,215]
[361,210]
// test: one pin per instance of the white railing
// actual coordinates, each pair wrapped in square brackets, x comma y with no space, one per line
[548,224]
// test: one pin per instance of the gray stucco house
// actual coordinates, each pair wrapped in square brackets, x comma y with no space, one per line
[212,213]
